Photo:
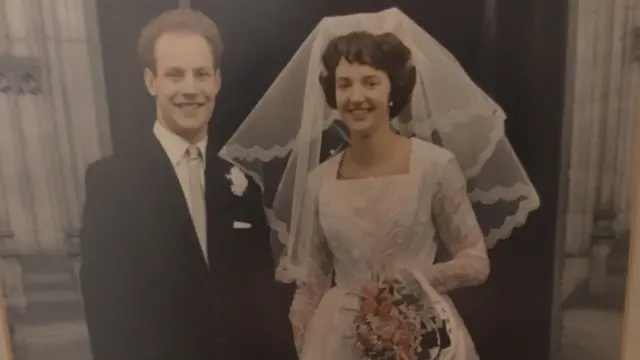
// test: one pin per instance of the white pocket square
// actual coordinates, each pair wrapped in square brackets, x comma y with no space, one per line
[241,225]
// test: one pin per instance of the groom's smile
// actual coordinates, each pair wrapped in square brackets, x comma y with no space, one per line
[190,106]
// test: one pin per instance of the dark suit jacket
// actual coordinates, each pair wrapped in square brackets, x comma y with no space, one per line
[148,292]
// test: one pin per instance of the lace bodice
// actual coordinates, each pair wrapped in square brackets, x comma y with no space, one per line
[389,224]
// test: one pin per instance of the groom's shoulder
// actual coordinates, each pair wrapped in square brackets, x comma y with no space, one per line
[108,164]
[110,169]
[102,166]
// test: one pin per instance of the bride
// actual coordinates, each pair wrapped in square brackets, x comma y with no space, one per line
[379,208]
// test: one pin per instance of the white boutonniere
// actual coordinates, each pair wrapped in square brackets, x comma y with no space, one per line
[239,181]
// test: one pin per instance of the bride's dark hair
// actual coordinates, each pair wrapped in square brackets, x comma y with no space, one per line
[384,52]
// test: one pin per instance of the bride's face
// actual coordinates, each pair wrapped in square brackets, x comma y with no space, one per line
[362,97]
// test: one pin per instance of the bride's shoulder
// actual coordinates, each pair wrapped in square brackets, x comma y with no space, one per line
[429,153]
[325,169]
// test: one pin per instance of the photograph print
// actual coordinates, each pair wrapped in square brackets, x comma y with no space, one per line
[137,221]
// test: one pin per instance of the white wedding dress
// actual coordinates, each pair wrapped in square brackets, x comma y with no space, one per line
[389,223]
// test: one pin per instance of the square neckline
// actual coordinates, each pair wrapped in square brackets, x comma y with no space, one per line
[340,158]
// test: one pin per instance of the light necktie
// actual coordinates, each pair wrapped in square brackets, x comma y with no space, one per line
[196,195]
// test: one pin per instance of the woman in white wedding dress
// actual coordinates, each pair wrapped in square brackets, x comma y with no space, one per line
[381,202]
[382,206]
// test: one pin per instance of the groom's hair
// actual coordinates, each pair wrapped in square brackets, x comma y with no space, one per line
[384,52]
[177,20]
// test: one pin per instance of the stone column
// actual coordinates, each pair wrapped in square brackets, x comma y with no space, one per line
[604,88]
[603,85]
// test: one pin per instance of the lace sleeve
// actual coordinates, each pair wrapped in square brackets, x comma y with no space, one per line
[319,277]
[458,227]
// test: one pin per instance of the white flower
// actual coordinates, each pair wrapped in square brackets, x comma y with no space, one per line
[238,181]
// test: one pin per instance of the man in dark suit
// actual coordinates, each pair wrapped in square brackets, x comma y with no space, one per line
[176,262]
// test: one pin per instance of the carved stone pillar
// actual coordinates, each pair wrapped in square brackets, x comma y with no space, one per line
[24,169]
[6,234]
[13,285]
[53,117]
[604,89]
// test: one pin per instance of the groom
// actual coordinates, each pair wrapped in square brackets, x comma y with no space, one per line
[175,250]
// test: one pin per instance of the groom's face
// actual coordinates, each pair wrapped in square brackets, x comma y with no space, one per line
[185,84]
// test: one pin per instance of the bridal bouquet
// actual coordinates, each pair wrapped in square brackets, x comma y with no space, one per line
[390,323]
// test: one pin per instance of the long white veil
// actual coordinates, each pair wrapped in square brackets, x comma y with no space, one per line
[281,140]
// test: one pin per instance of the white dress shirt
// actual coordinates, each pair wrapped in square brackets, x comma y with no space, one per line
[176,149]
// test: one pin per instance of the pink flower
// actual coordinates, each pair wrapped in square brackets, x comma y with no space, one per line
[385,308]
[368,306]
[388,321]
[370,290]
[367,340]
[388,328]
[403,338]
[404,354]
